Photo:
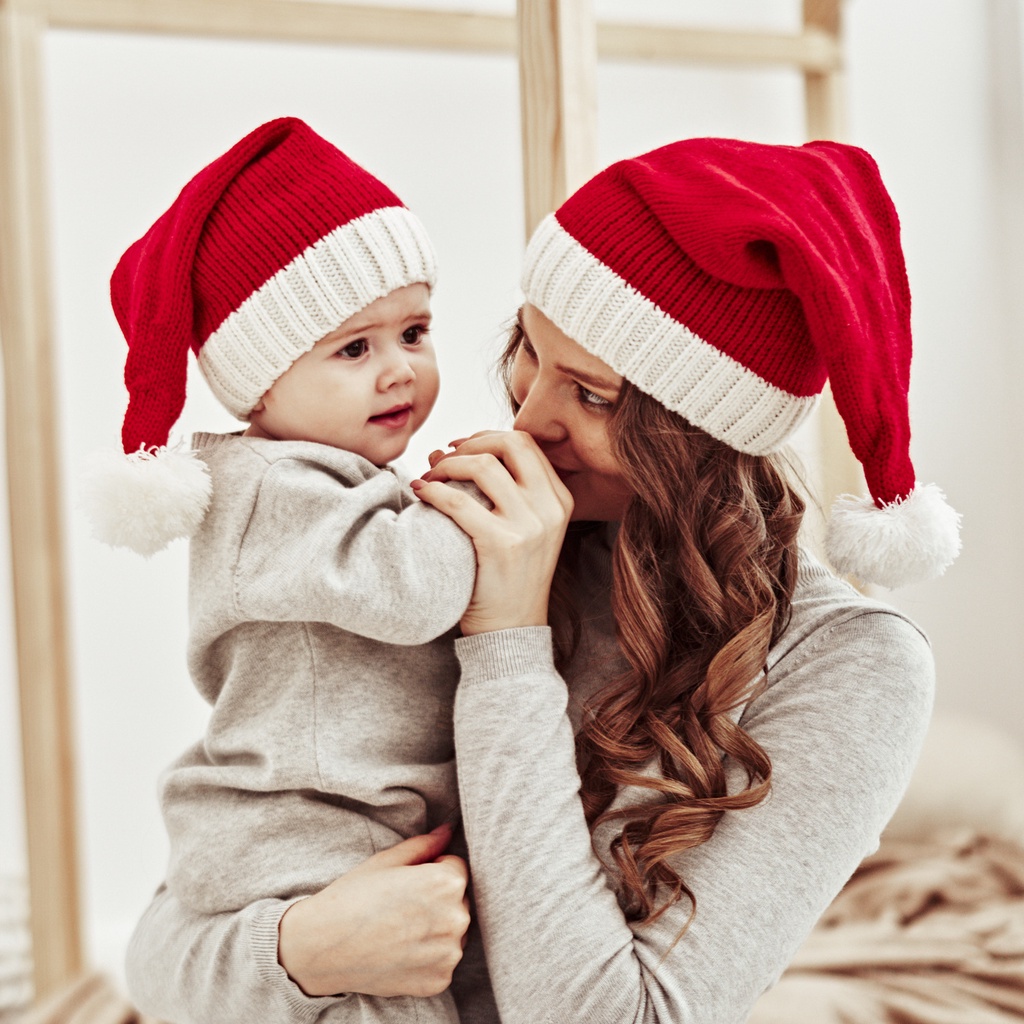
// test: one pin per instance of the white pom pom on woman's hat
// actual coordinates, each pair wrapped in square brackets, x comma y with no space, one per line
[907,541]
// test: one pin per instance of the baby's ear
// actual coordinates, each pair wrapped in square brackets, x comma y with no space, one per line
[258,407]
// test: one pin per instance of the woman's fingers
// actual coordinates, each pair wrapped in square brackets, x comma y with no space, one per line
[520,516]
[464,509]
[438,454]
[486,471]
[422,849]
[394,925]
[458,868]
[516,451]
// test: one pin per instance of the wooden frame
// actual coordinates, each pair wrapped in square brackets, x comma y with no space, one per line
[558,45]
[34,498]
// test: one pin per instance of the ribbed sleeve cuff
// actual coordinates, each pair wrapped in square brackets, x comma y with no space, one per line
[505,653]
[265,924]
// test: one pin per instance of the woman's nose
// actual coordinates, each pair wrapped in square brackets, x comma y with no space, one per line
[538,416]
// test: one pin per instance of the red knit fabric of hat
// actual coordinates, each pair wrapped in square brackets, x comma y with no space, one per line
[233,227]
[785,259]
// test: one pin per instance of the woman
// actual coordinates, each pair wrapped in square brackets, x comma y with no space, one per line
[664,789]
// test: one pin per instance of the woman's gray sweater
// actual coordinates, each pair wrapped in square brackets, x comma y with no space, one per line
[847,702]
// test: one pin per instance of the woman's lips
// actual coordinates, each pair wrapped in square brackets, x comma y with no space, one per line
[394,418]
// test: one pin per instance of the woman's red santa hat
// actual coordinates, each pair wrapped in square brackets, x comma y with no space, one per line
[265,251]
[729,280]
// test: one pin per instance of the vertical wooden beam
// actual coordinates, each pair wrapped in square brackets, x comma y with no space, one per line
[558,97]
[823,90]
[35,506]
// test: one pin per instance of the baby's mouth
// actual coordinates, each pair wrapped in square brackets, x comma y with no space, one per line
[395,417]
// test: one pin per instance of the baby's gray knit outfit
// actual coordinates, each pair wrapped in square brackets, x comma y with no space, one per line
[848,699]
[323,600]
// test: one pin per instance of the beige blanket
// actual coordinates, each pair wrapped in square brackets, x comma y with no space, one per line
[924,933]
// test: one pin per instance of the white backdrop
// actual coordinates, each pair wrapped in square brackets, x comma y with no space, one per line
[131,118]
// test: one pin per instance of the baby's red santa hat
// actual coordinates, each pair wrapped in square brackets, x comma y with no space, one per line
[729,280]
[265,251]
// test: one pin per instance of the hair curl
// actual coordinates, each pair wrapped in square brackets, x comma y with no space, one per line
[704,566]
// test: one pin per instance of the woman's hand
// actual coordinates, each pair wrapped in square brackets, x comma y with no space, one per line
[393,926]
[518,541]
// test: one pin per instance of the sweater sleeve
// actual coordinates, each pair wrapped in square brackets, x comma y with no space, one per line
[357,555]
[842,721]
[193,969]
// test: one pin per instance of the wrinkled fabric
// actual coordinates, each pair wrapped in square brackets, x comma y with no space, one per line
[925,932]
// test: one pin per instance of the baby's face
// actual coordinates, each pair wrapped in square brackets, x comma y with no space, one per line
[365,387]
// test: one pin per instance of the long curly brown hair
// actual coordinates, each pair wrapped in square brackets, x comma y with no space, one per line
[704,566]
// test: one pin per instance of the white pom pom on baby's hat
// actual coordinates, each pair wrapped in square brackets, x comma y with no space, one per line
[906,541]
[144,500]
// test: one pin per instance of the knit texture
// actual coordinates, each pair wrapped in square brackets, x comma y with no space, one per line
[659,354]
[265,251]
[321,288]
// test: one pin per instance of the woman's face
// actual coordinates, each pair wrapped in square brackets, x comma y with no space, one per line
[565,396]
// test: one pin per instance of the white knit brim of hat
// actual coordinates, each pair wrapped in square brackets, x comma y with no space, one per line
[597,308]
[333,279]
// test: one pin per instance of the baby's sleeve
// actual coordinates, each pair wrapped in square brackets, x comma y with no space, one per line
[194,968]
[363,556]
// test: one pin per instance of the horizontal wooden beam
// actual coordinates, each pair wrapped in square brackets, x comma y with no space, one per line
[311,21]
[811,50]
[306,21]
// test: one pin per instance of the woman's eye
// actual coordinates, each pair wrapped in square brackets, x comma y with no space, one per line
[354,349]
[588,397]
[414,335]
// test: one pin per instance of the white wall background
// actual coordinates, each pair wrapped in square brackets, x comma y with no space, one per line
[130,119]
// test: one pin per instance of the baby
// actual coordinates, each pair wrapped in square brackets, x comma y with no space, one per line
[323,595]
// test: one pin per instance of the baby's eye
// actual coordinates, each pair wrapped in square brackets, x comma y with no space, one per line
[588,397]
[354,349]
[414,335]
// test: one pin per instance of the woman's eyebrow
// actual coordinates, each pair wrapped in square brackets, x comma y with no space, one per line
[601,383]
